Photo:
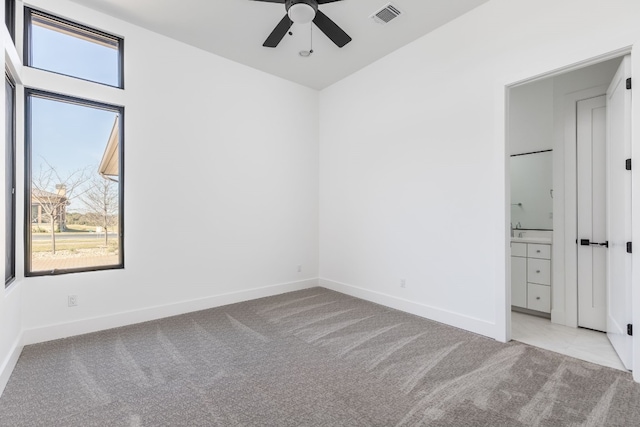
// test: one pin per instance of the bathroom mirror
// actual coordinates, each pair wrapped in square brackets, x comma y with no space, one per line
[532,191]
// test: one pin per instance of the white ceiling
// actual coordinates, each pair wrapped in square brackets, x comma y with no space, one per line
[236,29]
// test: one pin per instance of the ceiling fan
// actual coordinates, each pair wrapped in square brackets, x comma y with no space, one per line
[302,12]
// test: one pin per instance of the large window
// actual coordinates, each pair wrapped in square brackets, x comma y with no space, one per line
[10,183]
[74,184]
[57,45]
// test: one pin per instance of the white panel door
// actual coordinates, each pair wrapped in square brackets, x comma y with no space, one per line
[592,220]
[619,213]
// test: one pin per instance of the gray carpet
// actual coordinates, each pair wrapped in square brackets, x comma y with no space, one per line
[308,358]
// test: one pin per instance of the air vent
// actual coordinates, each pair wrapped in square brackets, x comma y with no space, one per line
[386,14]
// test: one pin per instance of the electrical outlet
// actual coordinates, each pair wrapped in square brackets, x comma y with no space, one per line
[403,283]
[73,300]
[299,268]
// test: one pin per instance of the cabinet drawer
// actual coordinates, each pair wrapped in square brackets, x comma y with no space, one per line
[539,271]
[539,297]
[519,249]
[538,251]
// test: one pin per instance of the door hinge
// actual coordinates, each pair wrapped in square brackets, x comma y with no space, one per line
[629,248]
[627,164]
[629,83]
[630,329]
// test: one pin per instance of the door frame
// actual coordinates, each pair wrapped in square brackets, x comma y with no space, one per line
[569,315]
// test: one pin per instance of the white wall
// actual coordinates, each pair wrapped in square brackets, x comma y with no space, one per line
[412,156]
[10,319]
[531,117]
[221,187]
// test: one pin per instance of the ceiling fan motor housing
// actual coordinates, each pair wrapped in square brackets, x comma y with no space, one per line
[312,3]
[301,11]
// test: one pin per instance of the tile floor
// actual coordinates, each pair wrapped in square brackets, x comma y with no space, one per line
[580,343]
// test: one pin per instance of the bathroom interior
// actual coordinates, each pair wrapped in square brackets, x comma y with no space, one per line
[553,304]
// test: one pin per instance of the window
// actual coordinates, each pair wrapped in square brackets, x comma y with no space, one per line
[57,45]
[10,183]
[74,184]
[10,17]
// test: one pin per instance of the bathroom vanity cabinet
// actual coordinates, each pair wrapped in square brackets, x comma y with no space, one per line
[531,276]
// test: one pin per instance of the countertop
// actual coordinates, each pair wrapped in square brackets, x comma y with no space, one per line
[532,239]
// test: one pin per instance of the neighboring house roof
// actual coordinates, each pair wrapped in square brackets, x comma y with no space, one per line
[41,196]
[109,165]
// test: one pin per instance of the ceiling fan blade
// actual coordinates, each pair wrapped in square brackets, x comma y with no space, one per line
[326,1]
[278,33]
[274,1]
[331,29]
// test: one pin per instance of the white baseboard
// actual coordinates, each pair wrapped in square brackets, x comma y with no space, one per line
[79,327]
[457,320]
[9,363]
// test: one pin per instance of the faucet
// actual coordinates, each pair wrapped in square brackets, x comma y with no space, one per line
[517,227]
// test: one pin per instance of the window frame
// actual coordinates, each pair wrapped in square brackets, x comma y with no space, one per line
[29,93]
[28,39]
[10,234]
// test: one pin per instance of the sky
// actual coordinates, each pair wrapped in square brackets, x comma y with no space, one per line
[66,54]
[69,136]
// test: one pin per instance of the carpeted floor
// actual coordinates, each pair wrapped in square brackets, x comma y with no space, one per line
[308,358]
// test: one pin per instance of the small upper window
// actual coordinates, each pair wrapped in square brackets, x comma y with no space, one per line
[57,45]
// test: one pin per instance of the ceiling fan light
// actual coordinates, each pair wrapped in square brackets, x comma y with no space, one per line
[301,13]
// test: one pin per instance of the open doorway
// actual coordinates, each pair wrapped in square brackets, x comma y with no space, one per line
[560,202]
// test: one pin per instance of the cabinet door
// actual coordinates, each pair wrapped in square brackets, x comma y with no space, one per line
[518,249]
[539,251]
[539,271]
[539,297]
[519,282]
